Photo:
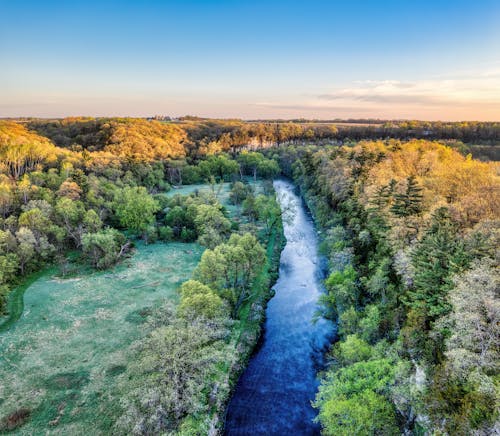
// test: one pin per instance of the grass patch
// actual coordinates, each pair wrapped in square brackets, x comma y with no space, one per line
[62,358]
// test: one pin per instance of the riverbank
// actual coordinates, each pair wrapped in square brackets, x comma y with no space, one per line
[249,329]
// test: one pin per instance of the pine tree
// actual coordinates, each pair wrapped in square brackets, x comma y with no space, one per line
[438,256]
[410,201]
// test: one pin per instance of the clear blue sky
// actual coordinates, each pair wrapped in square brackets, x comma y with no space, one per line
[422,59]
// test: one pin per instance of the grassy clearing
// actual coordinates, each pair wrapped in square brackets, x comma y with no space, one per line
[59,360]
[221,190]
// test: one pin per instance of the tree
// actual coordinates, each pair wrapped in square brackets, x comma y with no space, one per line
[352,349]
[439,255]
[26,247]
[221,167]
[474,320]
[239,191]
[410,201]
[254,163]
[269,211]
[70,214]
[231,268]
[352,401]
[173,370]
[105,247]
[9,264]
[135,208]
[21,150]
[211,225]
[198,300]
[70,189]
[6,199]
[342,290]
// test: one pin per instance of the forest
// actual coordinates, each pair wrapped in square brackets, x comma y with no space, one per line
[409,224]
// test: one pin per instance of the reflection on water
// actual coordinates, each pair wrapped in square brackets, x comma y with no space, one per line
[273,396]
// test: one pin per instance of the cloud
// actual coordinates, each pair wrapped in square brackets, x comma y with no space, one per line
[446,92]
[458,97]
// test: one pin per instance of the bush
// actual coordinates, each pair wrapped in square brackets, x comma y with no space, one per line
[165,233]
[105,247]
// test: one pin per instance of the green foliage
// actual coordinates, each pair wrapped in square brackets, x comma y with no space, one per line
[198,300]
[351,350]
[439,254]
[239,191]
[230,268]
[254,164]
[352,401]
[165,233]
[104,248]
[394,265]
[135,208]
[173,372]
[342,290]
[408,202]
[211,225]
[219,167]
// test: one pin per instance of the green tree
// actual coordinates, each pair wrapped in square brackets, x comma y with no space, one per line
[135,208]
[342,290]
[173,372]
[198,300]
[239,191]
[211,225]
[439,255]
[268,211]
[69,215]
[410,201]
[352,400]
[231,268]
[221,167]
[105,247]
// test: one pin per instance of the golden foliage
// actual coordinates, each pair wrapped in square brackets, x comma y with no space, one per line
[470,188]
[22,150]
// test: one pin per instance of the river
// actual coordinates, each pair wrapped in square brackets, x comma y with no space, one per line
[274,394]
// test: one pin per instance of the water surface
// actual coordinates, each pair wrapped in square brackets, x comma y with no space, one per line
[274,394]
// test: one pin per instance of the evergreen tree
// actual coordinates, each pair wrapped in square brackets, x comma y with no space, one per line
[439,254]
[410,201]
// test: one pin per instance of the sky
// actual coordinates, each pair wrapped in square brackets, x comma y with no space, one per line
[425,59]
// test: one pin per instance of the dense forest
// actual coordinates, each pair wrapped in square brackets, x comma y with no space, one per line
[409,226]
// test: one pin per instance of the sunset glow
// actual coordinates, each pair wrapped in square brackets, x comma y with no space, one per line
[255,60]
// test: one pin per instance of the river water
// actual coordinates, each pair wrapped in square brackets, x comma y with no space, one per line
[274,394]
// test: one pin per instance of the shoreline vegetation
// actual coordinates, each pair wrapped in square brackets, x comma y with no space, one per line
[410,228]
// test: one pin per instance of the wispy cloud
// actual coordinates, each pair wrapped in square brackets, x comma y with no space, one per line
[446,92]
[473,97]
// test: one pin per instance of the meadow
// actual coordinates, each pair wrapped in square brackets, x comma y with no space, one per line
[60,359]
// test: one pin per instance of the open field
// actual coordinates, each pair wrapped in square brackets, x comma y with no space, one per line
[59,360]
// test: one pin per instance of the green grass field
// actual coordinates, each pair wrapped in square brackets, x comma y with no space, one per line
[59,360]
